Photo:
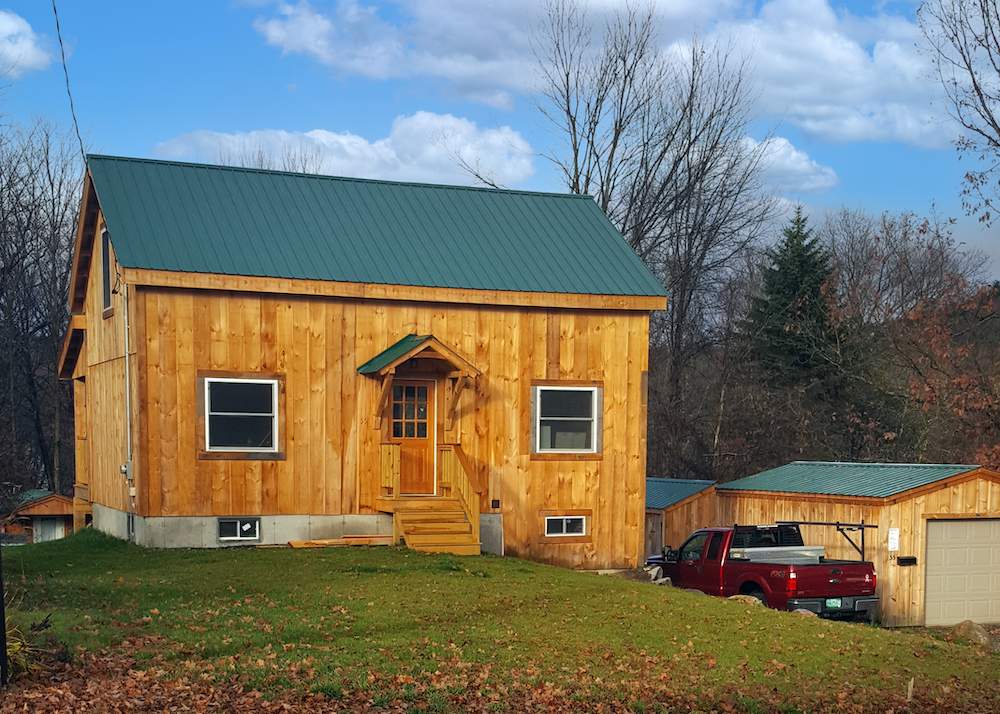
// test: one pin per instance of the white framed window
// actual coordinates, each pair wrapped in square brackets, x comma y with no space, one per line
[559,526]
[241,415]
[567,420]
[239,529]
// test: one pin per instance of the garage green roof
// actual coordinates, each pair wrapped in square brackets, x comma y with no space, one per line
[838,478]
[167,215]
[664,492]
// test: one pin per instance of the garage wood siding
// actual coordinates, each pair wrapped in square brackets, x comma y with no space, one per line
[963,571]
[902,588]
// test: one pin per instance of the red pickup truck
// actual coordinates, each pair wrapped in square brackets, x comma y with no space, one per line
[772,564]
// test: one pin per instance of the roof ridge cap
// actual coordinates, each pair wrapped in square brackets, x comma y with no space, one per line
[331,177]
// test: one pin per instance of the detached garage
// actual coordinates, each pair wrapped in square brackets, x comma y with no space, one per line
[663,497]
[932,530]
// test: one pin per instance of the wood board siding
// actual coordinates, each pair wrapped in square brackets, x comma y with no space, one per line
[102,366]
[332,447]
[901,588]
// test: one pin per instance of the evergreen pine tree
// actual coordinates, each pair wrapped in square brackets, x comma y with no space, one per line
[789,326]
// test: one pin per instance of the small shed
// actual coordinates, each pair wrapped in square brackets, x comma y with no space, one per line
[932,530]
[41,515]
[664,495]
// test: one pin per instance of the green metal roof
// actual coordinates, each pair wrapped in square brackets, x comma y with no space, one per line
[167,215]
[31,495]
[392,353]
[664,492]
[846,479]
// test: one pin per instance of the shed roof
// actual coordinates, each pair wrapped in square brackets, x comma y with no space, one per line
[838,478]
[664,492]
[31,494]
[173,216]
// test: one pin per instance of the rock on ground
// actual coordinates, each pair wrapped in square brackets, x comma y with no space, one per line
[745,599]
[973,633]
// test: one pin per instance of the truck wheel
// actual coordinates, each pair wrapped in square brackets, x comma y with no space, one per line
[759,595]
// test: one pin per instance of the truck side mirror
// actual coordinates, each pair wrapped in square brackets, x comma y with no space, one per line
[669,554]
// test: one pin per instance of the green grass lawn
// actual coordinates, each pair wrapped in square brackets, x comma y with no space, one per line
[388,626]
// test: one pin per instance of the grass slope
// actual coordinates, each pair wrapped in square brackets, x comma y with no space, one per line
[390,627]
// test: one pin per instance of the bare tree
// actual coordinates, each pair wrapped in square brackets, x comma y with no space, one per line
[963,40]
[297,158]
[660,140]
[39,193]
[888,264]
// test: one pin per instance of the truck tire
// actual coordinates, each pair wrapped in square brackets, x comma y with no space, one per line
[759,595]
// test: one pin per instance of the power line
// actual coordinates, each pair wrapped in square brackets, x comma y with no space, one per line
[69,93]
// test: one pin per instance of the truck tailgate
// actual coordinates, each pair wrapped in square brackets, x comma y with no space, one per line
[835,579]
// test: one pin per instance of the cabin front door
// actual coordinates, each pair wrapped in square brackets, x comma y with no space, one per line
[413,428]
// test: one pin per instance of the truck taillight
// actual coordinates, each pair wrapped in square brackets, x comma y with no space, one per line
[791,582]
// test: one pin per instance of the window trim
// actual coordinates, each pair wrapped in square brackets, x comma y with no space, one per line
[565,538]
[564,519]
[239,520]
[597,421]
[274,453]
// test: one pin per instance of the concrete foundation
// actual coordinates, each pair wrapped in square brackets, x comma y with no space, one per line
[203,531]
[110,521]
[491,533]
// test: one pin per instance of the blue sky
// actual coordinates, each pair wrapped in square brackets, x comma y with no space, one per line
[399,89]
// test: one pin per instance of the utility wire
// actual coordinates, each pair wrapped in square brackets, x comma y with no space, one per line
[69,93]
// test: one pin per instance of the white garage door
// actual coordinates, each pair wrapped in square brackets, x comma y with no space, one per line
[963,571]
[47,528]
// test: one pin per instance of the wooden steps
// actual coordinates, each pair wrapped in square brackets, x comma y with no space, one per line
[435,525]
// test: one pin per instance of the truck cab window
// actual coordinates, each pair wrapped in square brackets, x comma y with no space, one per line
[694,547]
[714,547]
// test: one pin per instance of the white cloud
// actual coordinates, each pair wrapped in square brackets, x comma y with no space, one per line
[481,48]
[837,75]
[840,76]
[420,147]
[20,47]
[787,169]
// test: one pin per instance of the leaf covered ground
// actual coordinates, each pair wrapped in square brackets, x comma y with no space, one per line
[387,628]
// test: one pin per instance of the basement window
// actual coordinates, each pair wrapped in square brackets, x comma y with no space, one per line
[567,420]
[241,415]
[239,529]
[565,526]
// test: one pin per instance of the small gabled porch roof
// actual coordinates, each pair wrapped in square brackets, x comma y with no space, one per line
[386,361]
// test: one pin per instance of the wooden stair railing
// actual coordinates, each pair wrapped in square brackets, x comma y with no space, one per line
[460,480]
[389,471]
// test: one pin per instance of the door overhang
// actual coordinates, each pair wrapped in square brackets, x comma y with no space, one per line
[426,354]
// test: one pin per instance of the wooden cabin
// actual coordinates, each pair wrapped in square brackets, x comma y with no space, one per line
[261,356]
[39,516]
[932,530]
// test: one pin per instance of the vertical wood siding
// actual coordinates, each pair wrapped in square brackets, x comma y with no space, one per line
[104,371]
[332,447]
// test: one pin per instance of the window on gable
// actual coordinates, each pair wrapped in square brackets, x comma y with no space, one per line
[106,270]
[566,419]
[565,526]
[241,414]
